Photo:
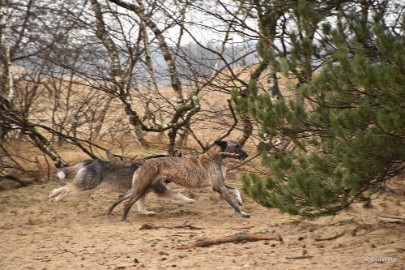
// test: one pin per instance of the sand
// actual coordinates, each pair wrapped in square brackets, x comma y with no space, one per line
[76,234]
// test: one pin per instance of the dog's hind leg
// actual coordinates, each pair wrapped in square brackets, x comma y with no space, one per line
[162,192]
[168,194]
[139,203]
[136,194]
[221,189]
[129,205]
[235,192]
[120,199]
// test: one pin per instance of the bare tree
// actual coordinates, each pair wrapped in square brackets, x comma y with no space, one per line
[31,32]
[91,63]
[18,42]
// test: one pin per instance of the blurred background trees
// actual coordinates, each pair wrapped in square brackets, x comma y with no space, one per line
[316,86]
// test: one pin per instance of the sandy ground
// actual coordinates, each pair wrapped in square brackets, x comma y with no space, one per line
[76,234]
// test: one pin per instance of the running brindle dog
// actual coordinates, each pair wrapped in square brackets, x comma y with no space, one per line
[203,170]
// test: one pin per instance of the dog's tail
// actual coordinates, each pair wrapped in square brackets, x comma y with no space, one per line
[71,171]
[61,174]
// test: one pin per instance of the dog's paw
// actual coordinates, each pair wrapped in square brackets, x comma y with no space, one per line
[149,213]
[54,199]
[52,194]
[188,200]
[51,197]
[244,214]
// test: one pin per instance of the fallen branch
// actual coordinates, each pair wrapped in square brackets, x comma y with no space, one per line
[15,179]
[299,257]
[125,267]
[153,227]
[232,239]
[391,220]
[330,238]
[392,217]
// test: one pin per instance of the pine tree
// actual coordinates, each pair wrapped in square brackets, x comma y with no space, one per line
[347,126]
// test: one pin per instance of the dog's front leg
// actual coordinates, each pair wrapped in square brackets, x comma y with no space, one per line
[235,192]
[225,194]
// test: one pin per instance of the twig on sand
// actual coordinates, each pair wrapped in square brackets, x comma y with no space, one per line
[154,227]
[391,220]
[319,239]
[300,257]
[393,217]
[232,239]
[65,250]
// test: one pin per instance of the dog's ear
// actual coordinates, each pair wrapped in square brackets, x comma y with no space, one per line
[111,157]
[222,144]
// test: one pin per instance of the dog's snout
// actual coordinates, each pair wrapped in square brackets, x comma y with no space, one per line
[243,155]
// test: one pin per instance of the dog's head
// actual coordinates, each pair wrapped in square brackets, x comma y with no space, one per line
[232,147]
